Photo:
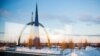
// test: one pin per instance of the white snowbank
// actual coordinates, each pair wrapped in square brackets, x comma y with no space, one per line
[89,51]
[44,50]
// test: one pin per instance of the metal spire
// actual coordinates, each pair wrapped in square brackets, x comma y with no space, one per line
[32,17]
[36,17]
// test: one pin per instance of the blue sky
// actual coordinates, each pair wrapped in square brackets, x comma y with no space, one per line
[83,16]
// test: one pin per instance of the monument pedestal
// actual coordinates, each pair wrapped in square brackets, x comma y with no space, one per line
[37,43]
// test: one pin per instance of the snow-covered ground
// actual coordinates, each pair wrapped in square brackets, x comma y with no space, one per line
[34,50]
[89,51]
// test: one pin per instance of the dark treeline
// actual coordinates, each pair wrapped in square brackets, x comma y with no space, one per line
[62,45]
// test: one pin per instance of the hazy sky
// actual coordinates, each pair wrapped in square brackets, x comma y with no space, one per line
[72,17]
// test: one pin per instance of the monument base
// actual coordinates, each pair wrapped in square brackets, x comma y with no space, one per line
[36,43]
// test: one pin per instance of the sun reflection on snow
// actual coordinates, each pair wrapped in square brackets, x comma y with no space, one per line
[73,54]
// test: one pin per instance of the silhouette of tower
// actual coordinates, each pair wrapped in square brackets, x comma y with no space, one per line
[36,39]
